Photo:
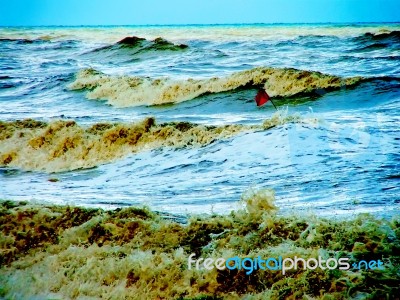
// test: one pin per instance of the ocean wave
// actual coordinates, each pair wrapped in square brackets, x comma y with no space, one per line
[157,44]
[48,251]
[377,41]
[21,41]
[64,145]
[62,45]
[372,47]
[26,38]
[125,91]
[40,39]
[6,83]
[381,36]
[132,49]
[138,44]
[357,58]
[43,43]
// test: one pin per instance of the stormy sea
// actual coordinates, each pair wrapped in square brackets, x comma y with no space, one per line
[163,118]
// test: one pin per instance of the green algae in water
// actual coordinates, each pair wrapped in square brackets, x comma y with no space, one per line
[134,253]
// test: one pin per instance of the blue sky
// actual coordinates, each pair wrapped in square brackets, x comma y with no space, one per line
[142,12]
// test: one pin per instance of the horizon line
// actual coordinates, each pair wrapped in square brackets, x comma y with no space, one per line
[209,24]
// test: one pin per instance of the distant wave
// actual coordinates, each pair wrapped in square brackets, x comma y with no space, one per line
[22,41]
[50,43]
[64,145]
[381,36]
[132,49]
[376,41]
[138,44]
[36,39]
[157,44]
[365,42]
[125,91]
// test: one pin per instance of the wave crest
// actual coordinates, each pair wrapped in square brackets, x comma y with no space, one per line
[381,36]
[64,145]
[139,45]
[125,91]
[375,41]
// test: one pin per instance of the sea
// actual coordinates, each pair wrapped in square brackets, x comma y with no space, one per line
[165,117]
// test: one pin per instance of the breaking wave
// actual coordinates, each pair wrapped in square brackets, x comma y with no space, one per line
[380,36]
[64,145]
[48,252]
[125,91]
[137,45]
[376,41]
[132,48]
[157,44]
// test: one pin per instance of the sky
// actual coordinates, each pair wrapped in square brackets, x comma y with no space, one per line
[163,12]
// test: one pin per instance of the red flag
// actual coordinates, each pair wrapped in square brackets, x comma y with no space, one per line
[261,97]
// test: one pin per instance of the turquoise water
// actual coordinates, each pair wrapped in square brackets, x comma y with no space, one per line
[346,163]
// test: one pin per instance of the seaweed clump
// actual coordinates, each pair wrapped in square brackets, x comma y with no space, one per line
[135,253]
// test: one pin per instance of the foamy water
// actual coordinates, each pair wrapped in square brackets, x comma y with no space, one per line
[332,149]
